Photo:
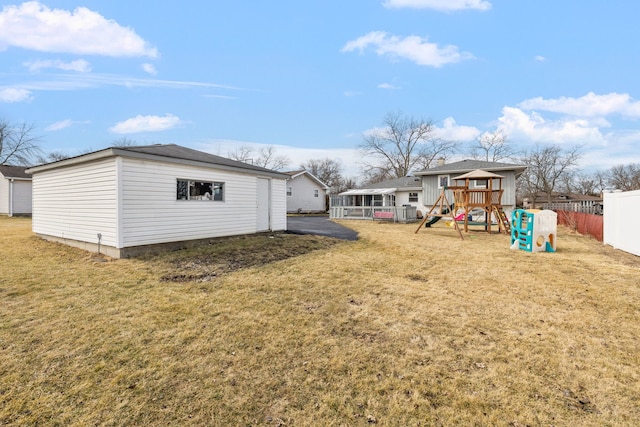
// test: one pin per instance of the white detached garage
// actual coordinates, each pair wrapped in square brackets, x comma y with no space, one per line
[121,200]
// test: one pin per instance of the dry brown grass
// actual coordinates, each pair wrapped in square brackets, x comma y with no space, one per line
[395,329]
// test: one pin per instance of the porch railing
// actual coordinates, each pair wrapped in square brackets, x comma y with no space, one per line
[391,213]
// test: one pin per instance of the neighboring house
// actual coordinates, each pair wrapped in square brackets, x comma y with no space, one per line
[121,200]
[15,191]
[399,199]
[392,192]
[305,193]
[436,178]
[565,201]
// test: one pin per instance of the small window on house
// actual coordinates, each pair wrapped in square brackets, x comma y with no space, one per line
[199,190]
[316,193]
[288,191]
[443,181]
[480,183]
[413,197]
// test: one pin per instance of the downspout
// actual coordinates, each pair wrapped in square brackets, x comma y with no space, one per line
[11,196]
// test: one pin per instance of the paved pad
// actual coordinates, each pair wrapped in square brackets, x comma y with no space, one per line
[320,225]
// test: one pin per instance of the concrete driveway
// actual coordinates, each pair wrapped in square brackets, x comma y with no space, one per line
[320,225]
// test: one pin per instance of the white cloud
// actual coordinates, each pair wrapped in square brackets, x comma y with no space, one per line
[351,93]
[590,105]
[146,124]
[34,26]
[520,125]
[92,80]
[11,95]
[150,69]
[540,58]
[413,48]
[451,131]
[441,5]
[388,86]
[79,65]
[63,124]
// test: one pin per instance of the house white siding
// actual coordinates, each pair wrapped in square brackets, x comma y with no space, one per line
[15,196]
[402,198]
[303,195]
[77,202]
[4,196]
[152,214]
[21,194]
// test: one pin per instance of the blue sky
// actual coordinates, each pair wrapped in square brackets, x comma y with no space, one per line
[309,78]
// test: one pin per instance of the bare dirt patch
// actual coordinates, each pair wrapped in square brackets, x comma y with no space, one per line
[226,255]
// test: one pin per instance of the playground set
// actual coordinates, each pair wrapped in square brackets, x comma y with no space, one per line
[466,200]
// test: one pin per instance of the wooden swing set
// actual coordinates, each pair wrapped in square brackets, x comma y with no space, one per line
[466,199]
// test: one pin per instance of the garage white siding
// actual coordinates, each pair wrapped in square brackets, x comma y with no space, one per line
[77,202]
[151,213]
[278,204]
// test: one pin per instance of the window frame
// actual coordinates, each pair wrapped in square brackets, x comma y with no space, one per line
[214,187]
[413,197]
[440,177]
[481,186]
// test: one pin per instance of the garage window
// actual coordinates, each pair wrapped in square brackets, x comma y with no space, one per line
[187,189]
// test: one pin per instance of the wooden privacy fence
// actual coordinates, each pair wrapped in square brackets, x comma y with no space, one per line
[582,223]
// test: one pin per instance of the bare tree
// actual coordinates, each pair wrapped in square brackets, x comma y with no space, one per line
[53,156]
[492,147]
[18,145]
[265,157]
[625,177]
[404,143]
[588,183]
[547,167]
[242,153]
[124,142]
[346,184]
[326,170]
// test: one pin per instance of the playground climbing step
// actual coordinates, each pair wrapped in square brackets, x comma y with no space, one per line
[502,218]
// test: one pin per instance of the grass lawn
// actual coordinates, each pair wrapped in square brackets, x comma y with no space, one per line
[395,329]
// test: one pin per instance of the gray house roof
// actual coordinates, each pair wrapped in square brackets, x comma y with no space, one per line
[469,165]
[404,183]
[18,172]
[295,174]
[171,153]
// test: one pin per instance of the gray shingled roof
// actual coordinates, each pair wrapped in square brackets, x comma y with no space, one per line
[174,151]
[9,171]
[468,165]
[167,152]
[399,183]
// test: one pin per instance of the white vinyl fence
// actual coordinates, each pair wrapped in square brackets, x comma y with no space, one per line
[621,226]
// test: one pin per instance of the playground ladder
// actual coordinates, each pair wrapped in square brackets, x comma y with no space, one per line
[502,217]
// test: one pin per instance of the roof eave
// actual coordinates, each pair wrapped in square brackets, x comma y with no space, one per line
[114,151]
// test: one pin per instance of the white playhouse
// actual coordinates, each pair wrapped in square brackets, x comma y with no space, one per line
[534,230]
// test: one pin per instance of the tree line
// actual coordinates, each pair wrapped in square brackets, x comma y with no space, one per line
[402,145]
